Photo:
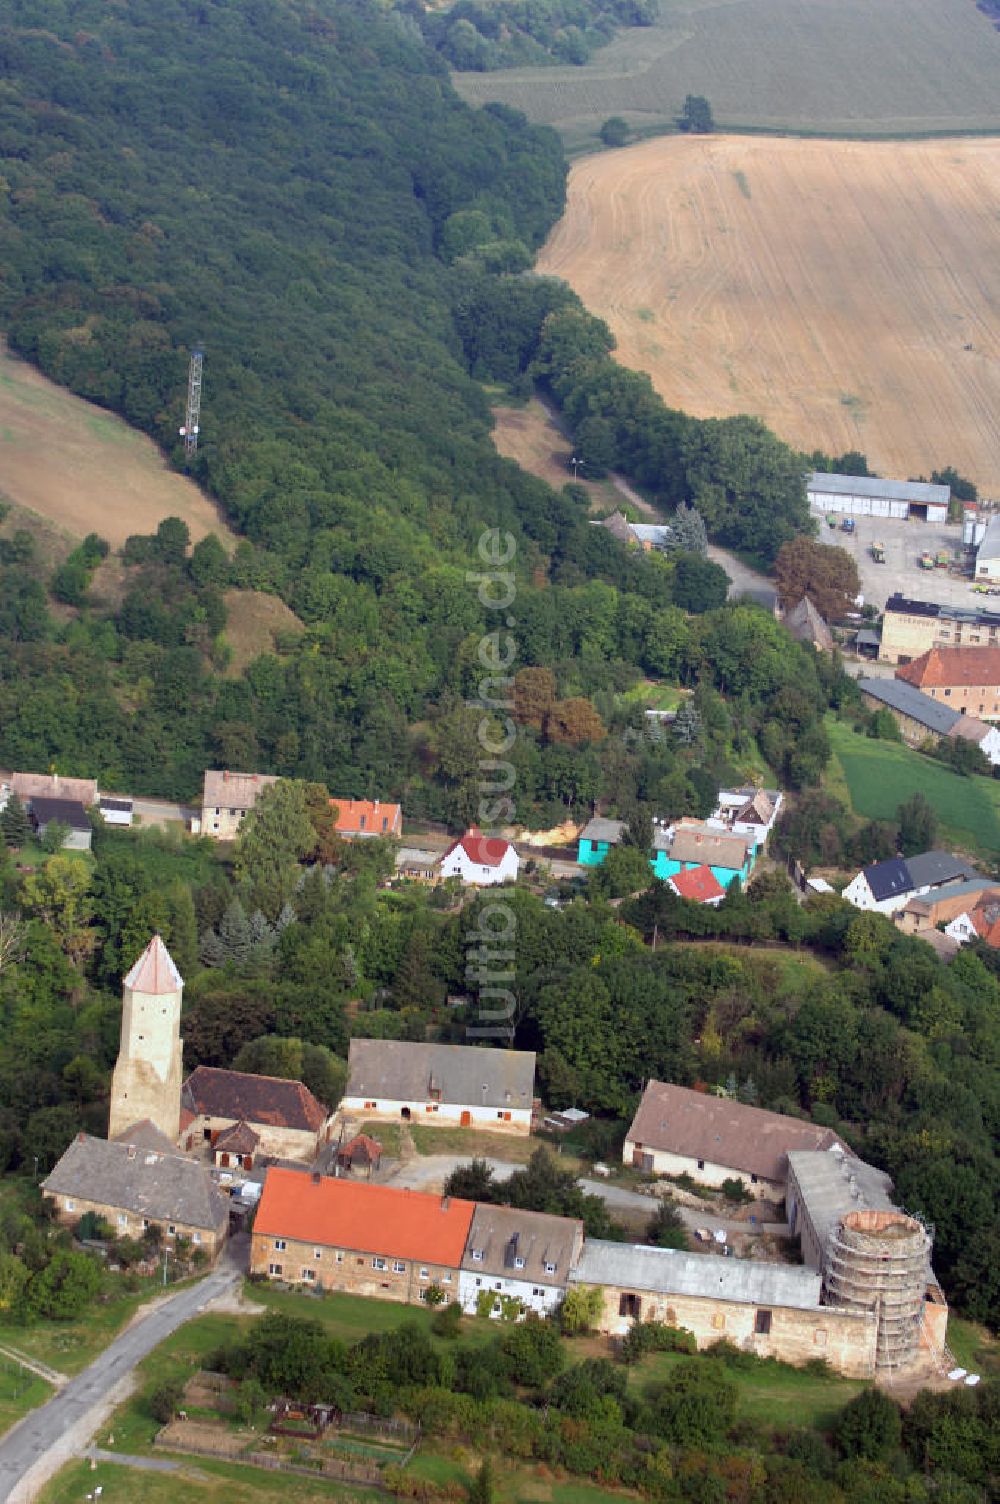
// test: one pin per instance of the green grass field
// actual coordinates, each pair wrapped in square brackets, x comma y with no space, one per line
[773,1395]
[20,1391]
[69,1346]
[880,775]
[895,68]
[654,696]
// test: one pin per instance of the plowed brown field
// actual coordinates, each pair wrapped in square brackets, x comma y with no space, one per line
[847,292]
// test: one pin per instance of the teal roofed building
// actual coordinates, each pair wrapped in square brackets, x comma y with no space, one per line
[686,846]
[597,838]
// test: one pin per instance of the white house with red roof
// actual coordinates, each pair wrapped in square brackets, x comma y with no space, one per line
[480,861]
[698,884]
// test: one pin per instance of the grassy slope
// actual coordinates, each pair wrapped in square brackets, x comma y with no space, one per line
[880,775]
[850,68]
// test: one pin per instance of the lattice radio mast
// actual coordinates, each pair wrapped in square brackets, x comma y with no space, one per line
[189,432]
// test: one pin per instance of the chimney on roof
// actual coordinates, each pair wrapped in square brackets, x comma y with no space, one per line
[316,1177]
[445,1203]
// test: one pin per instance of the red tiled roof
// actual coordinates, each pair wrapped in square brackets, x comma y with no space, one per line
[698,884]
[369,1218]
[238,1095]
[366,816]
[986,920]
[487,851]
[947,667]
[361,1145]
[239,1139]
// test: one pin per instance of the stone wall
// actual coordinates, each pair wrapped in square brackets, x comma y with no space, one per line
[349,1269]
[846,1340]
[440,1114]
[703,1171]
[128,1224]
[276,1143]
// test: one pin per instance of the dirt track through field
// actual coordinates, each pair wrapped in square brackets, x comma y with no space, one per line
[847,292]
[86,470]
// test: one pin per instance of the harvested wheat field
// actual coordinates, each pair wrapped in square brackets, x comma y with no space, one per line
[86,470]
[847,292]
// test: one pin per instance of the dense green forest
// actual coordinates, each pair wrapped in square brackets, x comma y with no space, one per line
[523,33]
[301,190]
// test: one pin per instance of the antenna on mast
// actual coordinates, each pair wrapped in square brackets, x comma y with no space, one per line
[189,432]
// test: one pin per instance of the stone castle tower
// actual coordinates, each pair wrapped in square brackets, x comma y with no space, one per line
[147,1078]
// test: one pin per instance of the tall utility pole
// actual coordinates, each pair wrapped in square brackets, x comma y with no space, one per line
[189,433]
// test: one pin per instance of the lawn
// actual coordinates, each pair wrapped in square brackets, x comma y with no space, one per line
[198,1481]
[351,1317]
[974,1348]
[473,1143]
[70,1345]
[387,1134]
[880,775]
[655,696]
[774,1395]
[20,1391]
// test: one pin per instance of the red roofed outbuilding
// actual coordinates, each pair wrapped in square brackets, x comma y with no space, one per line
[372,1240]
[358,819]
[698,884]
[480,861]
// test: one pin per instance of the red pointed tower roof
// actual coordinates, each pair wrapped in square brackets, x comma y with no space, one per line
[155,972]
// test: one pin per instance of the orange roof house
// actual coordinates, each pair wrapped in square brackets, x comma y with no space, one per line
[967,678]
[348,1235]
[367,817]
[699,884]
[355,1216]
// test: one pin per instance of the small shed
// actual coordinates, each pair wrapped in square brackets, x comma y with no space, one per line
[359,1153]
[114,810]
[236,1146]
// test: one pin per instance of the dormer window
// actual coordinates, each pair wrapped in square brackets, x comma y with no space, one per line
[477,1255]
[549,1268]
[518,1263]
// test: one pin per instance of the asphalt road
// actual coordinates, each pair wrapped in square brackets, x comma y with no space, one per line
[60,1429]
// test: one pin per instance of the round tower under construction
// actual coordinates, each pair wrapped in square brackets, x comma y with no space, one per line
[880,1261]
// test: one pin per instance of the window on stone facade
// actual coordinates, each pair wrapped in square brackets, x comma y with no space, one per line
[398,1267]
[819,1336]
[378,1263]
[753,1180]
[196,1237]
[318,1253]
[71,1207]
[280,1244]
[631,1306]
[701,1164]
[274,1269]
[446,1279]
[171,1231]
[719,1321]
[309,1274]
[424,1274]
[762,1323]
[122,1221]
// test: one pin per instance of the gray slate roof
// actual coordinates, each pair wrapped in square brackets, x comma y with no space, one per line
[667,1272]
[934,868]
[989,548]
[867,485]
[697,1125]
[503,1234]
[825,1188]
[599,829]
[463,1074]
[162,1187]
[888,879]
[898,695]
